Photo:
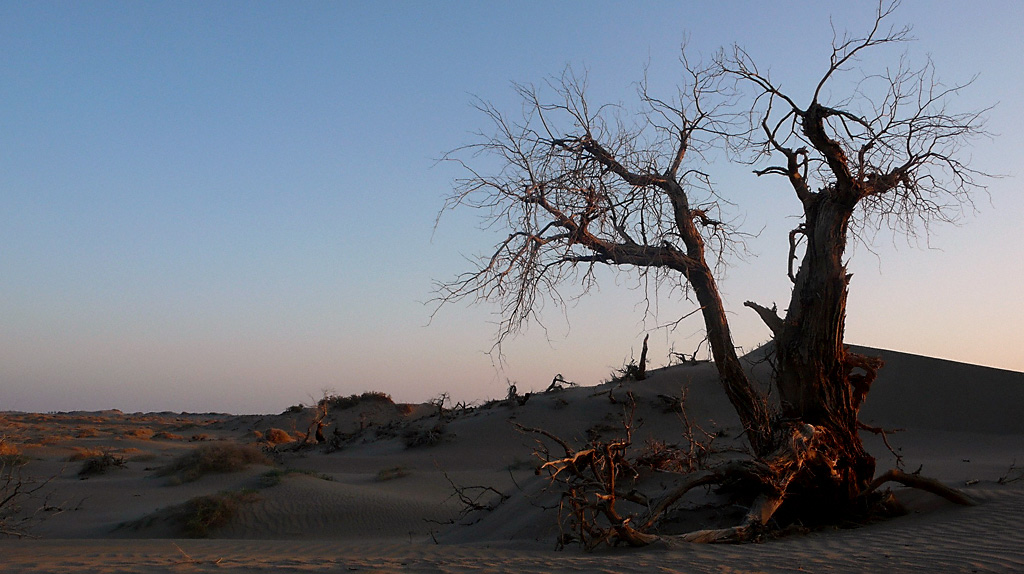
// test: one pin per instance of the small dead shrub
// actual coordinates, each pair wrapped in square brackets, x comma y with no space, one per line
[426,436]
[212,458]
[631,371]
[164,435]
[659,455]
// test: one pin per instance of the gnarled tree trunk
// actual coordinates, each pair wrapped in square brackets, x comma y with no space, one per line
[813,371]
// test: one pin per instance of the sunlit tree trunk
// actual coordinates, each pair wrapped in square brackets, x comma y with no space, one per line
[813,373]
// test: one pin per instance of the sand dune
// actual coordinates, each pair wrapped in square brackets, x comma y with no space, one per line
[377,504]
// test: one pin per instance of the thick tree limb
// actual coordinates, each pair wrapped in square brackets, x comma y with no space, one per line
[569,451]
[794,237]
[693,481]
[769,316]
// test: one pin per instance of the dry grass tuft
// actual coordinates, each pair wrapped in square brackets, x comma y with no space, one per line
[203,514]
[392,473]
[212,458]
[8,448]
[53,439]
[277,436]
[139,433]
[82,453]
[10,457]
[87,432]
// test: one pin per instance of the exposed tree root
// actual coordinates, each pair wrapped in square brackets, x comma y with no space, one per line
[922,483]
[594,479]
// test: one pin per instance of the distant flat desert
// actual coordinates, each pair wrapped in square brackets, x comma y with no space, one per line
[117,492]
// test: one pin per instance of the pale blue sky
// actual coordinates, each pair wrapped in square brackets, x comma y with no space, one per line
[230,205]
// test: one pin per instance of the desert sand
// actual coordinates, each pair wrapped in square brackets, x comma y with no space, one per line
[379,495]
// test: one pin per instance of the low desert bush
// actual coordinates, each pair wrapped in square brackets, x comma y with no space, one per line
[139,433]
[275,476]
[519,463]
[164,435]
[392,473]
[338,402]
[203,514]
[97,465]
[87,432]
[212,458]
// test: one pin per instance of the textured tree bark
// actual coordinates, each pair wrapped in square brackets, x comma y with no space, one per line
[813,366]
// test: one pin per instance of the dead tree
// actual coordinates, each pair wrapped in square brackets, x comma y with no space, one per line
[888,154]
[581,186]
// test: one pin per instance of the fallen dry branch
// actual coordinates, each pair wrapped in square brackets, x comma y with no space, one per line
[16,490]
[187,559]
[885,439]
[1013,474]
[472,497]
[559,384]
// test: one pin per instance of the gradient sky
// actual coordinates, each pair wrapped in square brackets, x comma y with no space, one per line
[229,206]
